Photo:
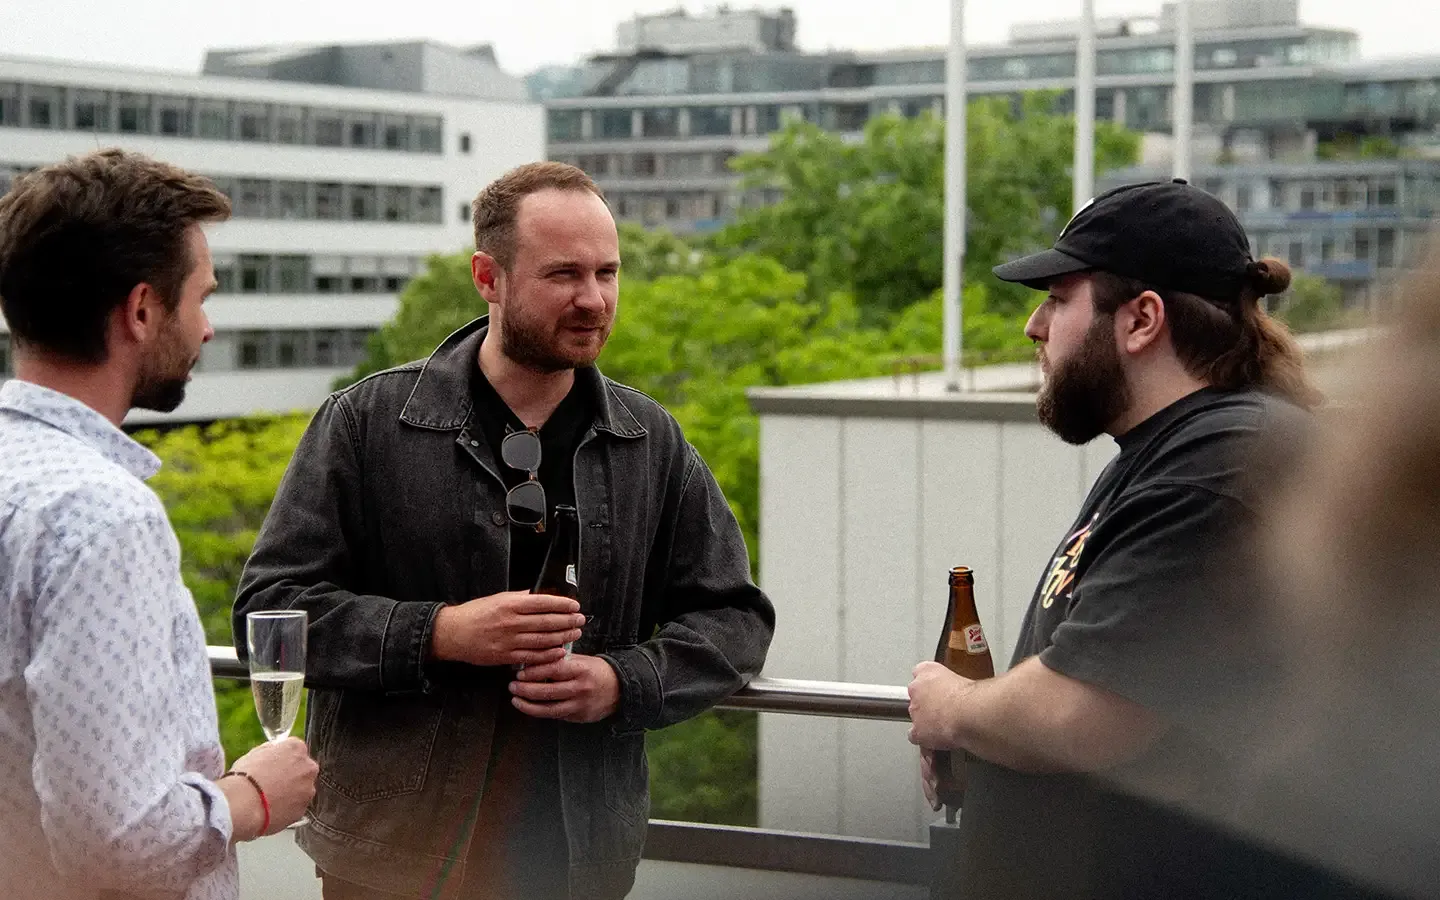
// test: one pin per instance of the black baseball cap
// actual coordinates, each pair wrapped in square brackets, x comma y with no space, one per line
[1169,234]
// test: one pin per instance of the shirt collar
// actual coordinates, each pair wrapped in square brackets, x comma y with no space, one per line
[63,412]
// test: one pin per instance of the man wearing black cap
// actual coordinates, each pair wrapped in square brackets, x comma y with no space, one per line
[1151,332]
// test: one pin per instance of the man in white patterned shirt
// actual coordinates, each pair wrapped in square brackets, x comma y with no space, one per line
[111,768]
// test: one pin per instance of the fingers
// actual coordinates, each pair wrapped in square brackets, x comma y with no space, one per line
[531,604]
[567,710]
[546,639]
[560,669]
[546,691]
[549,623]
[538,659]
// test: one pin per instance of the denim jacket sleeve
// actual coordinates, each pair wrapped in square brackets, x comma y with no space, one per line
[307,557]
[713,625]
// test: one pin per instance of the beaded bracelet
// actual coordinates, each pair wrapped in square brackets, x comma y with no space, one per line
[264,801]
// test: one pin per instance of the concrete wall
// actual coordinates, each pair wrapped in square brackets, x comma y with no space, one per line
[864,508]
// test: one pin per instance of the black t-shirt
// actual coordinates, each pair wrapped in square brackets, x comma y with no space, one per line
[1141,598]
[519,846]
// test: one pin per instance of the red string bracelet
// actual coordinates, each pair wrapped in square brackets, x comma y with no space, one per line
[264,801]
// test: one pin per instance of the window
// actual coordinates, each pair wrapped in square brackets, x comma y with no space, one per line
[465,143]
[252,199]
[1296,256]
[394,284]
[394,133]
[643,164]
[173,116]
[614,123]
[214,119]
[1242,197]
[565,124]
[253,121]
[92,111]
[710,120]
[353,350]
[428,136]
[1307,197]
[133,111]
[289,125]
[292,274]
[465,212]
[9,103]
[363,204]
[257,350]
[329,128]
[1384,194]
[395,203]
[427,205]
[225,273]
[254,274]
[361,129]
[1385,247]
[292,199]
[326,348]
[767,119]
[1362,247]
[329,284]
[364,284]
[662,122]
[44,107]
[329,201]
[596,164]
[290,349]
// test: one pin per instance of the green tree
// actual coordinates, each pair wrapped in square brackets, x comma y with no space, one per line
[217,484]
[868,217]
[1311,304]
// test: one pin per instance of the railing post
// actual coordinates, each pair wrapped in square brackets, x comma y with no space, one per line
[944,859]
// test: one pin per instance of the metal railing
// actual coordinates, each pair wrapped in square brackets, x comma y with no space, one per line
[893,862]
[777,695]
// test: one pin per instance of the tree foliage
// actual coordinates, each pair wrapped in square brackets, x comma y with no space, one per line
[868,217]
[217,484]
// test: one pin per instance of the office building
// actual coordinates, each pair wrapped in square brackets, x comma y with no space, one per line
[347,167]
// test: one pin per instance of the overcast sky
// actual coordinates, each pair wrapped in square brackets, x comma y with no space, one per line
[174,34]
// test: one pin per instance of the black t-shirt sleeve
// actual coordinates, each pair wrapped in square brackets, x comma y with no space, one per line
[1147,618]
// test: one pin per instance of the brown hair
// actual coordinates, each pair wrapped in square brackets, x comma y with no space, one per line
[78,236]
[1229,342]
[497,207]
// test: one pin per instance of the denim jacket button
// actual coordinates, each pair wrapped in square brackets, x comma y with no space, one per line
[498,518]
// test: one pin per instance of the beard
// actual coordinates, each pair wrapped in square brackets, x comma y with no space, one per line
[161,383]
[544,346]
[1087,392]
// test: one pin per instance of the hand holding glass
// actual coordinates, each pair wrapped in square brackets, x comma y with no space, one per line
[276,641]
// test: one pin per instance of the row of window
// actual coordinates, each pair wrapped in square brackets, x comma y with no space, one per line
[725,74]
[263,198]
[258,273]
[1377,248]
[47,106]
[268,198]
[292,349]
[652,165]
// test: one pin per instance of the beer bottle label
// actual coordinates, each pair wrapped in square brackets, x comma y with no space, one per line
[570,575]
[971,640]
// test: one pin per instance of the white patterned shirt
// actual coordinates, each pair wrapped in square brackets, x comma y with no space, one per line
[109,741]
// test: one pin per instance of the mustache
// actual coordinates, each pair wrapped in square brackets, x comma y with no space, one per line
[585,322]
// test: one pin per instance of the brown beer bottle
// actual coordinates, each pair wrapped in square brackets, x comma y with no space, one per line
[964,651]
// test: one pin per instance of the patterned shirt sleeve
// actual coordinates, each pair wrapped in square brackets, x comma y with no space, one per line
[118,808]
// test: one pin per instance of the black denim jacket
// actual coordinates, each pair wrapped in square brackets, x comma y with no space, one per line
[393,506]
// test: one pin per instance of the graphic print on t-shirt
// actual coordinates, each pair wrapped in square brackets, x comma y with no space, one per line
[1061,578]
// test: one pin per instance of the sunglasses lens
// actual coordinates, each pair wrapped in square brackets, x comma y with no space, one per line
[521,450]
[526,503]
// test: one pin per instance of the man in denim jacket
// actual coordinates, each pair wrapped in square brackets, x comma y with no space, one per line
[413,540]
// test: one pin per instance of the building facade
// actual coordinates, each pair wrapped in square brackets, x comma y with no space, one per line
[658,123]
[340,194]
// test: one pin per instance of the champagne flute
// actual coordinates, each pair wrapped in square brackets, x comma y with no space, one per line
[277,667]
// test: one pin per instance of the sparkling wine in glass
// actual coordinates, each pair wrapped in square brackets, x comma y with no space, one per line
[277,667]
